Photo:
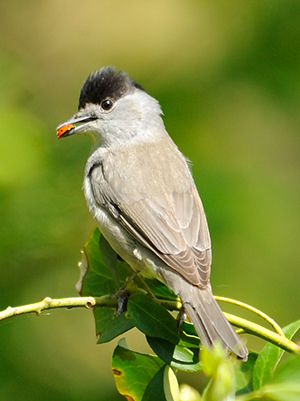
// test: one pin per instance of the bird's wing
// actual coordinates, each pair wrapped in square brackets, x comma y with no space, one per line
[172,224]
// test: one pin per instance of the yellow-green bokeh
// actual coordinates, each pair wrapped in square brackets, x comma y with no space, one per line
[227,75]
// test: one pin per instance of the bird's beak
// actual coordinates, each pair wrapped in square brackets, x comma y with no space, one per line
[73,126]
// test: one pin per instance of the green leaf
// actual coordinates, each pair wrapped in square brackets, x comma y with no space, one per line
[96,262]
[104,262]
[289,372]
[152,319]
[163,386]
[133,371]
[109,326]
[270,357]
[155,388]
[281,392]
[219,367]
[189,329]
[103,267]
[285,385]
[188,336]
[102,270]
[160,290]
[171,387]
[111,260]
[243,374]
[179,357]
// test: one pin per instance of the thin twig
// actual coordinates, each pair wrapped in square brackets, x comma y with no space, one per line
[271,321]
[262,332]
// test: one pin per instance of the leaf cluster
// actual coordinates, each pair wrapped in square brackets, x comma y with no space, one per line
[153,377]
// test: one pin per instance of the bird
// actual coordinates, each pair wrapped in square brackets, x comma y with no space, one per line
[140,190]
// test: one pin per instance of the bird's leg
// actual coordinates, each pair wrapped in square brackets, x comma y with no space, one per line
[123,295]
[181,317]
[124,292]
[122,302]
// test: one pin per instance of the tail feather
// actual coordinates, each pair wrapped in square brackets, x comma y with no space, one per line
[206,315]
[211,324]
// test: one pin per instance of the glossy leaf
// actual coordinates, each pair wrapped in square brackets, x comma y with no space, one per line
[269,358]
[98,279]
[171,387]
[152,319]
[244,373]
[133,371]
[155,388]
[163,386]
[289,372]
[109,326]
[281,392]
[111,260]
[285,385]
[105,272]
[179,357]
[188,336]
[189,329]
[160,290]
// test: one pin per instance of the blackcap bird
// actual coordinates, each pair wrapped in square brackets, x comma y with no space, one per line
[139,188]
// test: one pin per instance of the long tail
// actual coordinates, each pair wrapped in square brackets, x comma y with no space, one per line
[206,315]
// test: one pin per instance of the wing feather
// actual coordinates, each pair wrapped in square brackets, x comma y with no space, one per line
[172,224]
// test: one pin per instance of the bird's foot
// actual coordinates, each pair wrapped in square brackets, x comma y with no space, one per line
[181,317]
[122,297]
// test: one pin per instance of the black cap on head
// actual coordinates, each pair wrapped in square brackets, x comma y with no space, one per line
[104,83]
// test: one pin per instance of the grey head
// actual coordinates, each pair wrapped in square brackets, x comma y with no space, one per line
[112,109]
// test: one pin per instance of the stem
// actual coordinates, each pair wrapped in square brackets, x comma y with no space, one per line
[49,303]
[106,301]
[111,301]
[272,322]
[268,335]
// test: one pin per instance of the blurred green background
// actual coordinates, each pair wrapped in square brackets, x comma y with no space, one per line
[227,75]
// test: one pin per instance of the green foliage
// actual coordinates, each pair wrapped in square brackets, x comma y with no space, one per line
[227,76]
[147,377]
[217,366]
[152,319]
[133,371]
[244,374]
[99,280]
[270,357]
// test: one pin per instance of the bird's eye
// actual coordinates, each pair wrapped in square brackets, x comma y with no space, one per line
[107,104]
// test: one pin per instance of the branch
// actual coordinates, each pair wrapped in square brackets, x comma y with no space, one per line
[111,301]
[271,321]
[49,303]
[106,301]
[268,335]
